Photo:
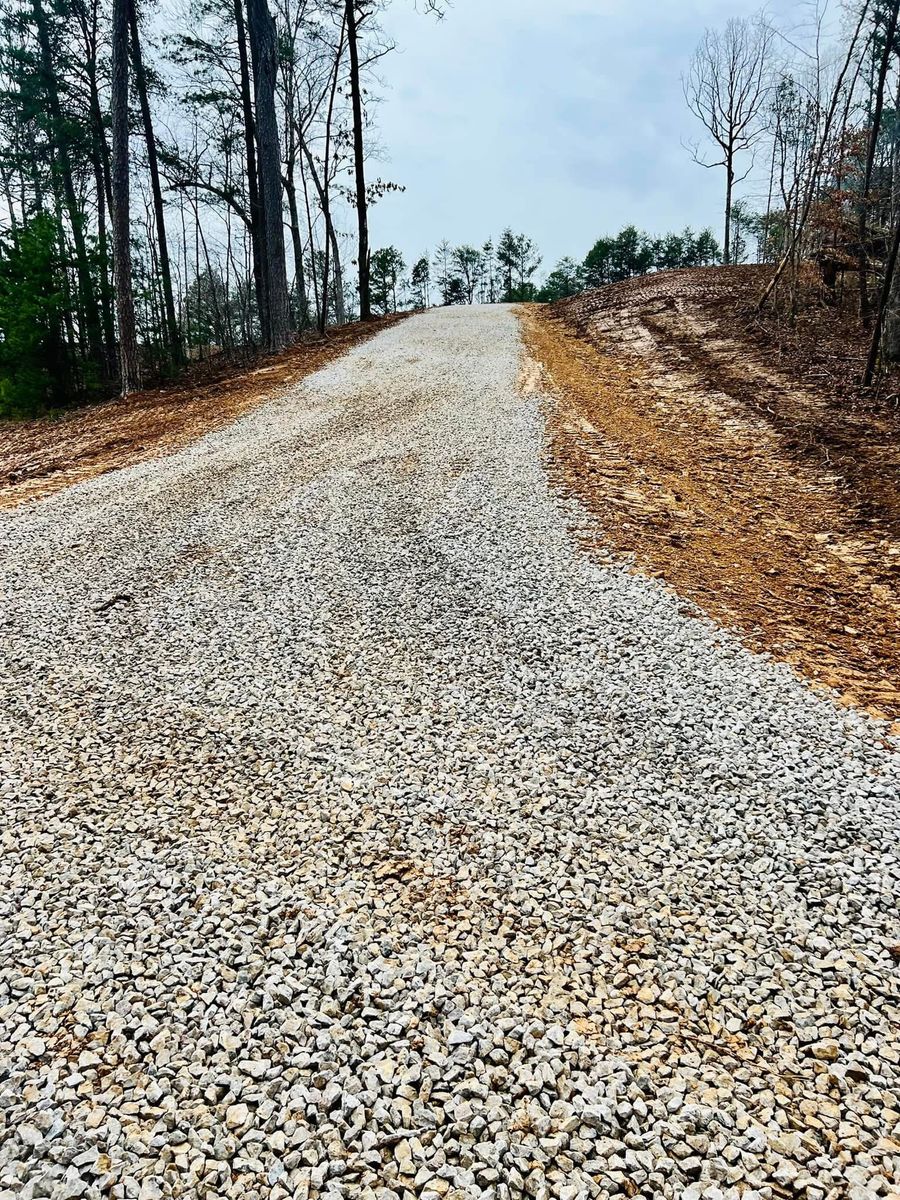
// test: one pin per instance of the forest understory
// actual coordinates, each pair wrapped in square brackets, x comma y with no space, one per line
[49,453]
[739,461]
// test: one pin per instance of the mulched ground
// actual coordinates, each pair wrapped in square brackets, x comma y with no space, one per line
[42,456]
[738,459]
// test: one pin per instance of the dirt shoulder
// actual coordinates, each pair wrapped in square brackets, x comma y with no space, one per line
[51,453]
[717,463]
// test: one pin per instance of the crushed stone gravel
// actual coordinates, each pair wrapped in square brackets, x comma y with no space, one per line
[361,837]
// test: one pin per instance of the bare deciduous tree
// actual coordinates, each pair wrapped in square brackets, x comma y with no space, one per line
[809,179]
[888,51]
[725,88]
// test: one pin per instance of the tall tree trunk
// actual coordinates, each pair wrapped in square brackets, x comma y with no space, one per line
[185,290]
[261,28]
[259,281]
[340,312]
[312,241]
[324,189]
[36,183]
[729,190]
[107,293]
[129,361]
[333,254]
[173,334]
[88,19]
[324,198]
[865,308]
[362,215]
[890,338]
[154,297]
[890,333]
[290,190]
[7,196]
[96,109]
[63,163]
[883,301]
[763,245]
[69,303]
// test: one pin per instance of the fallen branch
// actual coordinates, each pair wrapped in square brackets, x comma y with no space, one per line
[119,598]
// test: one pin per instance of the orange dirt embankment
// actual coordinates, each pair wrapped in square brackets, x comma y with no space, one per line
[50,453]
[713,458]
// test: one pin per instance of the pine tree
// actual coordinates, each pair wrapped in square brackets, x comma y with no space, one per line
[36,368]
[420,281]
[129,356]
[386,268]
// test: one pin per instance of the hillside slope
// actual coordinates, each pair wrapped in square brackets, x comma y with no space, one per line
[739,461]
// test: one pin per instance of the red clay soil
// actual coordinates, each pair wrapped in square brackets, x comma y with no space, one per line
[739,461]
[41,456]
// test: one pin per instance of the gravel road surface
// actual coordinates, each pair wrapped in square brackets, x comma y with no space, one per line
[361,837]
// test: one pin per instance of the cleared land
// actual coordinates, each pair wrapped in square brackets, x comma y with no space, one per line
[363,837]
[738,464]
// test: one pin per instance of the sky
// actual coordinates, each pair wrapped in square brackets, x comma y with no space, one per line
[564,119]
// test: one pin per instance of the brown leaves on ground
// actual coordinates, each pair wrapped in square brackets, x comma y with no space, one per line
[770,502]
[50,453]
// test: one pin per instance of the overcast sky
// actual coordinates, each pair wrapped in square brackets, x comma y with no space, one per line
[562,118]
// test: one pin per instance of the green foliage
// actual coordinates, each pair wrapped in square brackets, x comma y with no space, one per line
[744,223]
[455,292]
[597,262]
[517,259]
[772,233]
[468,274]
[612,259]
[463,274]
[385,268]
[521,293]
[631,252]
[566,279]
[706,251]
[468,263]
[35,369]
[419,282]
[448,283]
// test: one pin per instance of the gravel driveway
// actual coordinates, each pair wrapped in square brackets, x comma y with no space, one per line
[361,837]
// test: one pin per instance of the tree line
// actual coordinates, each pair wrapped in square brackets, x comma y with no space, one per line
[164,195]
[503,272]
[494,272]
[631,252]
